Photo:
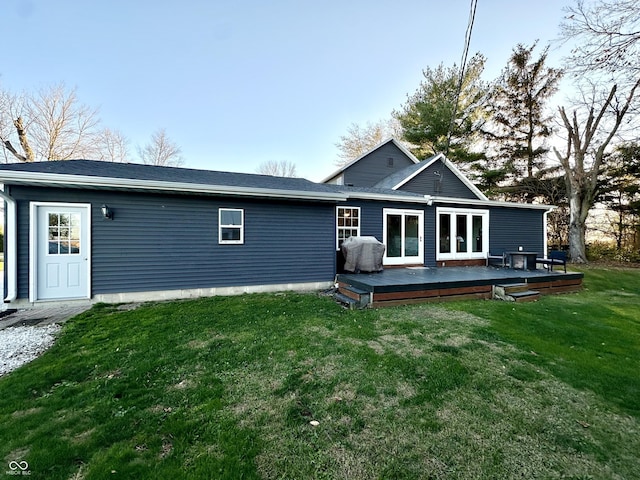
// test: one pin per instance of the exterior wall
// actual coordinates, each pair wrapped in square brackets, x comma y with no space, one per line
[159,242]
[371,221]
[427,183]
[510,228]
[372,168]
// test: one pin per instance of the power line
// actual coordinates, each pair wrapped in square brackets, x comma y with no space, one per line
[463,63]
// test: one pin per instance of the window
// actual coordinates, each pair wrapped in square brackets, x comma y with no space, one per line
[64,233]
[230,226]
[348,224]
[462,234]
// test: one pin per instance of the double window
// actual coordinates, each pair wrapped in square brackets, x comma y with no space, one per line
[462,234]
[230,226]
[348,224]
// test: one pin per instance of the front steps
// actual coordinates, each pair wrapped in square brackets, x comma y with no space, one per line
[515,292]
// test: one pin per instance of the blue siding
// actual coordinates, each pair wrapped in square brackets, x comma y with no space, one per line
[159,242]
[445,185]
[371,213]
[510,228]
[372,168]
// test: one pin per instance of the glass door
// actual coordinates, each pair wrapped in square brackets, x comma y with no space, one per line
[403,237]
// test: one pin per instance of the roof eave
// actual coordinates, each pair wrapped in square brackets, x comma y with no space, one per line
[60,180]
[490,203]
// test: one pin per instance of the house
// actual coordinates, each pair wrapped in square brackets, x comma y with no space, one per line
[114,232]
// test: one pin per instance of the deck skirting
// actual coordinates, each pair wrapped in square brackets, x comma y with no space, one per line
[410,285]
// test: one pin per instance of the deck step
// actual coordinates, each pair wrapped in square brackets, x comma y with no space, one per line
[358,297]
[515,292]
[526,296]
[348,302]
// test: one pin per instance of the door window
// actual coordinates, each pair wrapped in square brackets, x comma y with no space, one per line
[64,234]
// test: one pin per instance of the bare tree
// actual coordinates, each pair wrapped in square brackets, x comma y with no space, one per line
[360,139]
[281,168]
[606,34]
[49,125]
[113,146]
[589,132]
[161,151]
[606,38]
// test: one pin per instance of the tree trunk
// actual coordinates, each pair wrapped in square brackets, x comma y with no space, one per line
[577,228]
[24,142]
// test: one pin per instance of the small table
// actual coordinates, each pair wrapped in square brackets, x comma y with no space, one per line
[528,260]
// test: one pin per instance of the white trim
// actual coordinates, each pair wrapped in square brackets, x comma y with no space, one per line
[221,241]
[488,203]
[470,213]
[384,142]
[40,178]
[11,255]
[403,260]
[424,199]
[33,245]
[338,227]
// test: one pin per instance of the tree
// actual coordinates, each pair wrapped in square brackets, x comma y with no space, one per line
[113,146]
[607,37]
[161,151]
[518,125]
[50,124]
[359,140]
[426,117]
[620,193]
[588,135]
[276,168]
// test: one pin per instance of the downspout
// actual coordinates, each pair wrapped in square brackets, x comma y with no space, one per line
[11,253]
[546,232]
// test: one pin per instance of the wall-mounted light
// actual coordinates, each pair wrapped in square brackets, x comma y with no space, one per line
[106,212]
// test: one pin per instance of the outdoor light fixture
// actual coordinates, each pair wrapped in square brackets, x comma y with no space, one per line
[106,213]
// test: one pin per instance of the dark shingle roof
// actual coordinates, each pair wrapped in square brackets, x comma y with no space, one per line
[100,174]
[397,177]
[150,173]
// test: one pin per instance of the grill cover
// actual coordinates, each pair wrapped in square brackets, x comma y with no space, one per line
[362,254]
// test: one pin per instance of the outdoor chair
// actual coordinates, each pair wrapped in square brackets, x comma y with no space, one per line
[556,257]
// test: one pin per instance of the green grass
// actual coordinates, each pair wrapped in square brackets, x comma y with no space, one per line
[227,388]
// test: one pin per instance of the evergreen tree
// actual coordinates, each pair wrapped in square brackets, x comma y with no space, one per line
[518,125]
[426,116]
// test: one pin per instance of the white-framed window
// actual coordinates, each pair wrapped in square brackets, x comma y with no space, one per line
[461,233]
[230,226]
[347,224]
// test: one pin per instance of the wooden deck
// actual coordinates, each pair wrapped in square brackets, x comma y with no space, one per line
[396,286]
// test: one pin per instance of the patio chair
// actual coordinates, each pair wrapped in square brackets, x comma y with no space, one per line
[497,260]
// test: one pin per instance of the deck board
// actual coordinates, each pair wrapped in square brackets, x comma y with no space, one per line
[397,285]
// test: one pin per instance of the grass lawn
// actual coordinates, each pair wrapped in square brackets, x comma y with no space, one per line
[233,387]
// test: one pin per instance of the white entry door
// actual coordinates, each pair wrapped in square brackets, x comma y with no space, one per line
[403,237]
[60,259]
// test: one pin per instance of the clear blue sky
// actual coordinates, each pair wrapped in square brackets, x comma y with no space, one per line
[239,82]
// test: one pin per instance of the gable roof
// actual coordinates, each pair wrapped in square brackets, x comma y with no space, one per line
[392,140]
[134,176]
[401,177]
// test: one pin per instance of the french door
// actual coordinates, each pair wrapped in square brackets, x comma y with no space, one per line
[403,236]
